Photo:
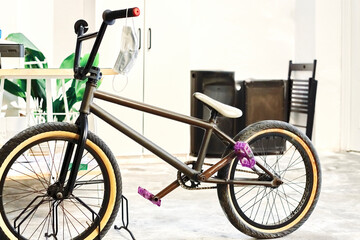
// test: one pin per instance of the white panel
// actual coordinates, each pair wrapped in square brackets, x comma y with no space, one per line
[253,38]
[304,31]
[129,87]
[167,72]
[354,143]
[66,13]
[328,28]
[35,22]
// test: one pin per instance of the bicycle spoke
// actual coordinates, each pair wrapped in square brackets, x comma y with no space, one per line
[16,199]
[41,223]
[47,164]
[90,181]
[255,198]
[76,205]
[28,176]
[266,206]
[271,209]
[27,186]
[284,154]
[67,213]
[243,205]
[295,178]
[258,202]
[65,219]
[287,198]
[52,160]
[32,152]
[86,173]
[244,193]
[32,169]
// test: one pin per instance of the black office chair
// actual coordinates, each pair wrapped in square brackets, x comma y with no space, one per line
[302,94]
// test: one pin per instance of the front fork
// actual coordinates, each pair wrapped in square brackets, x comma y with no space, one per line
[82,124]
[63,188]
[66,190]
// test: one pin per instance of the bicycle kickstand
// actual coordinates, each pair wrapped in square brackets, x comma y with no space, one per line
[124,212]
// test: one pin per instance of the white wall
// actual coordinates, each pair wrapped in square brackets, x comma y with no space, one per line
[304,31]
[261,37]
[37,23]
[253,38]
[66,13]
[328,52]
[318,35]
[48,24]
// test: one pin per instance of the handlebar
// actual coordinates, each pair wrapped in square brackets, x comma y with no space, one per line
[109,18]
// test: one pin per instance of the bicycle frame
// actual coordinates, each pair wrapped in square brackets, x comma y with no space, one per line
[195,174]
[88,106]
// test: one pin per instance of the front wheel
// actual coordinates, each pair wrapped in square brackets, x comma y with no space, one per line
[271,212]
[31,205]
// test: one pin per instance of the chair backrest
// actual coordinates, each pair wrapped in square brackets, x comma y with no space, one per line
[302,94]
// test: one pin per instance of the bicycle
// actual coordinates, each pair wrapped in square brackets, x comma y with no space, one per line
[60,181]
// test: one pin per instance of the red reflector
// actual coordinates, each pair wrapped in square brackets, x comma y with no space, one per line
[136,12]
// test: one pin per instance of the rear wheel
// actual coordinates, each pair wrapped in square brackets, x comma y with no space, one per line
[270,212]
[31,204]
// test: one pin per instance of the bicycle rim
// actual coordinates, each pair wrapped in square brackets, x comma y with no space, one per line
[272,210]
[29,212]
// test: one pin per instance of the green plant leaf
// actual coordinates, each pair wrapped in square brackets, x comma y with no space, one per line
[38,92]
[85,59]
[67,63]
[22,84]
[14,89]
[76,91]
[30,48]
[20,38]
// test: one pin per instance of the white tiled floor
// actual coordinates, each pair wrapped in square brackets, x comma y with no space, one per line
[198,215]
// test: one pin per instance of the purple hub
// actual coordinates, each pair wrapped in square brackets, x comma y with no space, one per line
[244,154]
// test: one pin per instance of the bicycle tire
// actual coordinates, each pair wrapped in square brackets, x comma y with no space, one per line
[272,212]
[31,162]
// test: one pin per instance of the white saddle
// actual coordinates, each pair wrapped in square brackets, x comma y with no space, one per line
[223,109]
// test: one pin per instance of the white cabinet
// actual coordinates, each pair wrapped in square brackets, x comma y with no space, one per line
[167,72]
[160,76]
[129,87]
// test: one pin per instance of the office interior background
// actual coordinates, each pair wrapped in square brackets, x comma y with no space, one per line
[255,39]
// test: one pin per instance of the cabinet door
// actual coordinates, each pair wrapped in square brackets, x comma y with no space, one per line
[130,86]
[354,141]
[167,73]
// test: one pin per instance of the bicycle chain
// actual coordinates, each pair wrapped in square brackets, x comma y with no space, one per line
[182,181]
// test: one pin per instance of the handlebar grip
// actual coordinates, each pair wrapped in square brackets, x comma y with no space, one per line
[110,16]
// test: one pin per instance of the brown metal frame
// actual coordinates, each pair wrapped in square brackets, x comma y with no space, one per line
[210,127]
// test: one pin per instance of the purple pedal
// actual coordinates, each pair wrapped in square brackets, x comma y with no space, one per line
[244,154]
[149,196]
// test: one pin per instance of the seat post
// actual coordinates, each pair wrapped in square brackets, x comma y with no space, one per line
[205,141]
[213,116]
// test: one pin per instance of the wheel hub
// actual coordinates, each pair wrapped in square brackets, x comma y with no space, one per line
[275,181]
[56,191]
